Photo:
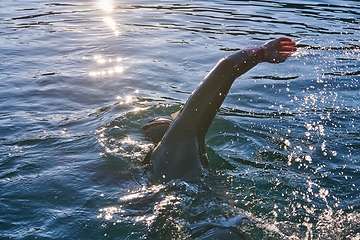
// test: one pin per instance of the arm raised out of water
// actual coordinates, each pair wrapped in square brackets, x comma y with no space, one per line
[205,101]
[181,152]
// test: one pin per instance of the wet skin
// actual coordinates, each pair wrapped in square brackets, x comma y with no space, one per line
[181,152]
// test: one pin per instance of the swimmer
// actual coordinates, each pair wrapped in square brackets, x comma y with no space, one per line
[180,150]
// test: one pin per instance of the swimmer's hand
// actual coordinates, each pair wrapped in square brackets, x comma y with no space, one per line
[278,50]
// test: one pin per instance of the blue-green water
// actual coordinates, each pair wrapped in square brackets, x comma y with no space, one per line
[79,78]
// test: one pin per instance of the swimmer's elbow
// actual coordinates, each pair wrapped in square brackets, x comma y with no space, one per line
[236,58]
[225,61]
[226,64]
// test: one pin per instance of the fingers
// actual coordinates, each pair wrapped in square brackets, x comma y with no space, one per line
[284,39]
[287,43]
[285,54]
[287,46]
[278,50]
[287,49]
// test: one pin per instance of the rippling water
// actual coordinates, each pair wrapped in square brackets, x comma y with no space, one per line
[79,79]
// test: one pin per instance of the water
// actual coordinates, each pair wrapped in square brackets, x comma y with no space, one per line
[79,79]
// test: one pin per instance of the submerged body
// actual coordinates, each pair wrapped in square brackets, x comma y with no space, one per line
[181,152]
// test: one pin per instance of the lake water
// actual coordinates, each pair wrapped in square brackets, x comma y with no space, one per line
[79,78]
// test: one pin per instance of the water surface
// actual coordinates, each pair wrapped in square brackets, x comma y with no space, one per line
[80,78]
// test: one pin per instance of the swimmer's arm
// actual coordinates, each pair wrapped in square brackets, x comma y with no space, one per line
[205,101]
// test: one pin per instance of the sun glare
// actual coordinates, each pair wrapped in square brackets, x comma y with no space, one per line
[106,5]
[111,62]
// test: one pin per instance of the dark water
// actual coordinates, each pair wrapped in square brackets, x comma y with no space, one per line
[79,79]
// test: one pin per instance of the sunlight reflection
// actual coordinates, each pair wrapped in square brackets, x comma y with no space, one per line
[118,69]
[118,213]
[111,24]
[107,72]
[138,109]
[106,5]
[115,69]
[108,213]
[169,200]
[100,59]
[129,141]
[128,99]
[144,191]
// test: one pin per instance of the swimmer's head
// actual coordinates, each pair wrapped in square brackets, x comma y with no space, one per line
[155,129]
